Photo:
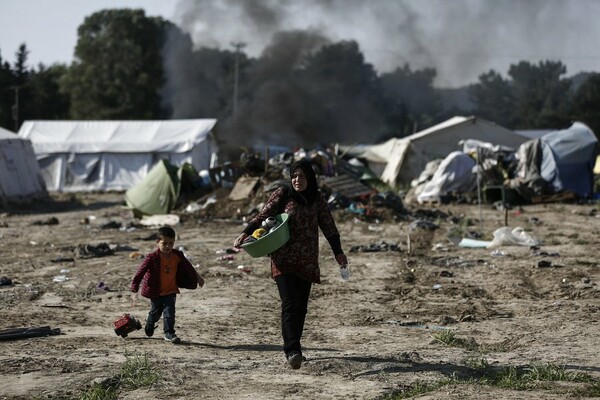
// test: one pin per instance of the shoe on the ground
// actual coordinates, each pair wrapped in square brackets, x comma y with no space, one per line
[295,360]
[149,328]
[171,337]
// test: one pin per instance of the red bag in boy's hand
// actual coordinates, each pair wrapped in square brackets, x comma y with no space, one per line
[125,324]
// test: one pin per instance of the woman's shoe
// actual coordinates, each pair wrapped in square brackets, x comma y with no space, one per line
[295,360]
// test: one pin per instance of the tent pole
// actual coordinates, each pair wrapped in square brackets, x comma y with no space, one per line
[479,190]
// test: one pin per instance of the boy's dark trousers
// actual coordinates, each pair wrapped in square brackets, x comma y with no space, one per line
[294,293]
[164,305]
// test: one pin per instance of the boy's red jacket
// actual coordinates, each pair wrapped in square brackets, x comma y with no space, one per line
[149,271]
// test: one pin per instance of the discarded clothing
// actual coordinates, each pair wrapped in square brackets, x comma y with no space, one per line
[24,333]
[375,247]
[49,221]
[90,251]
[4,281]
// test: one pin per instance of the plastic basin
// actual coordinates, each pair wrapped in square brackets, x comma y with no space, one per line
[271,241]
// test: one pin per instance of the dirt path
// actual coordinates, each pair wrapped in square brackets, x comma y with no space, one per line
[364,338]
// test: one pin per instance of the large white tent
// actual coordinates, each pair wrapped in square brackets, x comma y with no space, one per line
[115,155]
[20,178]
[407,157]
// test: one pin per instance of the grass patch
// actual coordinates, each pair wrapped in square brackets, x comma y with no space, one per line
[415,390]
[449,338]
[500,347]
[136,372]
[581,262]
[99,392]
[530,377]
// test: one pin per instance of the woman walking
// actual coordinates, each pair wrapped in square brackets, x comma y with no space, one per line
[295,266]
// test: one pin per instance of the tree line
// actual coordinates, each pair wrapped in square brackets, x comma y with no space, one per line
[303,89]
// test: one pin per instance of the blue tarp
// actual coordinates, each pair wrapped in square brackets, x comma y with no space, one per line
[568,159]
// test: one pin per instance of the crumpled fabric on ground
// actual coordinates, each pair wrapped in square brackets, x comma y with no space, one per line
[506,236]
[90,251]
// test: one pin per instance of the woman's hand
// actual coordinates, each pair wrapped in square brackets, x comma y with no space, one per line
[342,260]
[237,243]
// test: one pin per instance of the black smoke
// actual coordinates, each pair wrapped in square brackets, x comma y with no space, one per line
[292,89]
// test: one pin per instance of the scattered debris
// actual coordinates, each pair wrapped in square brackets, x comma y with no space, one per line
[111,225]
[24,333]
[49,221]
[160,220]
[90,251]
[375,247]
[506,236]
[5,281]
[136,255]
[62,259]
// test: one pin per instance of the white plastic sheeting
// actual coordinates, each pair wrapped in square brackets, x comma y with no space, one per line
[408,156]
[454,174]
[20,178]
[115,155]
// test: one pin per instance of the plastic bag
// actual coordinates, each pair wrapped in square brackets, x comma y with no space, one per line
[516,237]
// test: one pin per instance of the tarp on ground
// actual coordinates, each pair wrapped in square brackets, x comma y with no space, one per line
[115,155]
[160,190]
[408,156]
[20,177]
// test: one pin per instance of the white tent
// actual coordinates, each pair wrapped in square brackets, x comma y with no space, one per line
[20,178]
[407,157]
[115,155]
[454,174]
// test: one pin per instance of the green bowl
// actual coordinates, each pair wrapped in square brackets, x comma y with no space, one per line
[271,241]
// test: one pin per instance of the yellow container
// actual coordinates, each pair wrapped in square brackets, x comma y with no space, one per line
[271,241]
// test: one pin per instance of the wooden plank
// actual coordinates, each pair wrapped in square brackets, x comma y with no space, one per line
[244,187]
[347,186]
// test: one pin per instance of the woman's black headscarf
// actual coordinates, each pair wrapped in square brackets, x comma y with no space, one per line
[311,192]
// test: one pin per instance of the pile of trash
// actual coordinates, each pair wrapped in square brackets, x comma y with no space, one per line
[347,186]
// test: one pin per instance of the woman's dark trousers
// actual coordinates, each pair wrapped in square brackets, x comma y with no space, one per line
[294,293]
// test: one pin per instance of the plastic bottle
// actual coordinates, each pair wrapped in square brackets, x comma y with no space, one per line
[345,272]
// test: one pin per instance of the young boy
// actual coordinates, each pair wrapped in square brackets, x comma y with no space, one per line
[164,271]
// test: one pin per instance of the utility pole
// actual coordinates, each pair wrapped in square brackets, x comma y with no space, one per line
[238,46]
[15,107]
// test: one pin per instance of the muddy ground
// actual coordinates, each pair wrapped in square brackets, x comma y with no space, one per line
[365,338]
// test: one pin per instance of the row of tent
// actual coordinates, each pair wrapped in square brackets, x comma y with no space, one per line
[399,161]
[69,156]
[72,156]
[559,161]
[564,159]
[115,155]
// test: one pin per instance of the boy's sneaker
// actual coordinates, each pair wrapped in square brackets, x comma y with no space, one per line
[149,328]
[171,337]
[295,360]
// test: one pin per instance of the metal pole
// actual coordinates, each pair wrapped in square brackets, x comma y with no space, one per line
[478,155]
[15,108]
[238,46]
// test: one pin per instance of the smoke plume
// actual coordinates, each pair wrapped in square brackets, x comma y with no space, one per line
[461,39]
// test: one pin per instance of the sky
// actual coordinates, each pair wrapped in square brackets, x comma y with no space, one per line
[460,38]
